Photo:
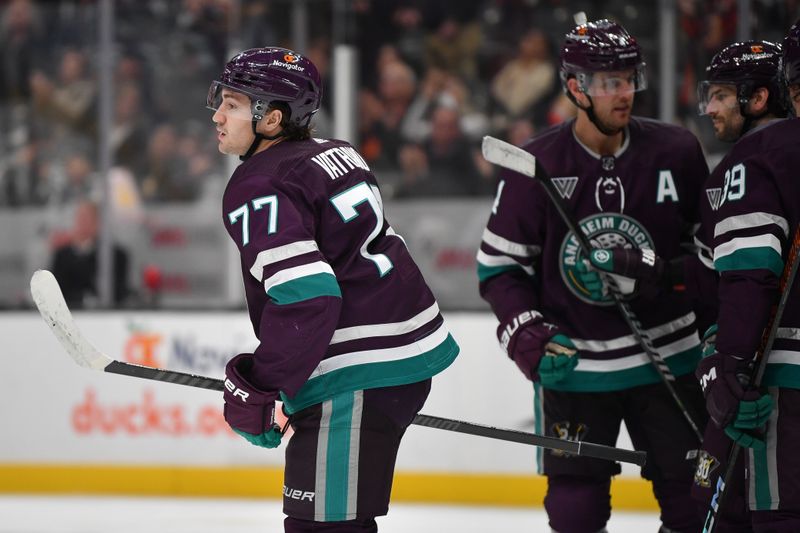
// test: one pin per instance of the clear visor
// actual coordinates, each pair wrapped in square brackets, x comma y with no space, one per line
[715,97]
[613,83]
[232,103]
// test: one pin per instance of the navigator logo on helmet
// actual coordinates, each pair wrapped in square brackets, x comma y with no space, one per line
[271,78]
[748,66]
[600,46]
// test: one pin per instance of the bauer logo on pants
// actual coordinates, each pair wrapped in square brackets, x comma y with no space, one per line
[297,494]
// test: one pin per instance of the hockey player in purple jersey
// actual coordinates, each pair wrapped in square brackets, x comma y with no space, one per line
[751,207]
[633,184]
[349,332]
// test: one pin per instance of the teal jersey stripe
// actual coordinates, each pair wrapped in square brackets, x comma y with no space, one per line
[784,375]
[486,272]
[305,288]
[336,479]
[751,259]
[763,496]
[373,375]
[580,381]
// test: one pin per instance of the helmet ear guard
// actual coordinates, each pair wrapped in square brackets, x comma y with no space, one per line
[258,108]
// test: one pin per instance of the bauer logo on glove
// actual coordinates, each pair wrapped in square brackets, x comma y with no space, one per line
[539,349]
[249,410]
[236,391]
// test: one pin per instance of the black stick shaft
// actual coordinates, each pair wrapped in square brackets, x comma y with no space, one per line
[587,449]
[168,376]
[574,447]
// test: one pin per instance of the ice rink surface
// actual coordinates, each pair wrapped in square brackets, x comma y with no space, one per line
[77,514]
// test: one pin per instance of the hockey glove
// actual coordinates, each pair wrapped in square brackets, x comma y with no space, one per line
[248,410]
[729,403]
[540,351]
[630,268]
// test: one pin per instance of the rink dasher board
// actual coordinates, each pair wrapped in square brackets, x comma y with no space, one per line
[109,425]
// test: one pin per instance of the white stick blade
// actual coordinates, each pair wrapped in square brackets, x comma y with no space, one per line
[508,156]
[48,298]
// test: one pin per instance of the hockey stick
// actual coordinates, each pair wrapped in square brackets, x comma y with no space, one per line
[50,301]
[511,157]
[760,361]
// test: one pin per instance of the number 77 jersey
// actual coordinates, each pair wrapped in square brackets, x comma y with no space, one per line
[333,294]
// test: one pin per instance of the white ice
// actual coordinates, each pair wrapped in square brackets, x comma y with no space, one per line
[80,514]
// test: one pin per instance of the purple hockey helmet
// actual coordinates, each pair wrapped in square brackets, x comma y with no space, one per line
[601,46]
[269,75]
[791,55]
[747,66]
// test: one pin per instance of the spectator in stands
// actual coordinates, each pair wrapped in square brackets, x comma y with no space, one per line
[78,181]
[525,85]
[75,264]
[453,47]
[382,114]
[439,88]
[446,164]
[129,133]
[166,178]
[66,106]
[21,43]
[520,131]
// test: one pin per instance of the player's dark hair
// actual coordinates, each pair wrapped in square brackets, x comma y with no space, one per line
[292,131]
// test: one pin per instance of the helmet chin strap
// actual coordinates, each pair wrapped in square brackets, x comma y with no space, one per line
[749,119]
[592,115]
[258,137]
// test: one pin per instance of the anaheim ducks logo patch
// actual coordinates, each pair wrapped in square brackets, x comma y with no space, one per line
[605,230]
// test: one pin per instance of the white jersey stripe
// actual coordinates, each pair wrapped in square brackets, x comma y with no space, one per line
[789,333]
[639,359]
[289,274]
[750,220]
[320,476]
[273,255]
[355,452]
[510,247]
[381,355]
[741,243]
[501,260]
[385,330]
[629,340]
[786,357]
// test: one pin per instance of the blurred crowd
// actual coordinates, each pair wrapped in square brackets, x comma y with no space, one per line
[434,78]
